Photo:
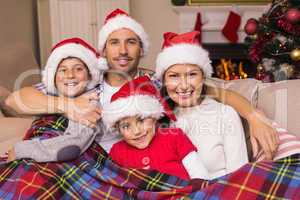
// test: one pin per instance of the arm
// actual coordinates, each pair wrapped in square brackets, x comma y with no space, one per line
[31,101]
[190,159]
[194,166]
[261,130]
[234,141]
[76,139]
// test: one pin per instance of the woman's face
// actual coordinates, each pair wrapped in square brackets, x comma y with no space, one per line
[184,84]
[72,77]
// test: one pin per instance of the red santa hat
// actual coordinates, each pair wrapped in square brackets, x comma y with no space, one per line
[182,49]
[119,19]
[136,97]
[72,47]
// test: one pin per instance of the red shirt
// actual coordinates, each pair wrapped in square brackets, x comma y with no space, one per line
[165,153]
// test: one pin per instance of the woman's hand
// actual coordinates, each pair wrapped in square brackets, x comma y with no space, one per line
[11,155]
[83,109]
[263,135]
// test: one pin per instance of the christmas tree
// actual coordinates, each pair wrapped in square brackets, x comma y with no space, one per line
[273,41]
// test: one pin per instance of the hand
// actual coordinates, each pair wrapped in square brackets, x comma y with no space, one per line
[11,155]
[82,109]
[263,134]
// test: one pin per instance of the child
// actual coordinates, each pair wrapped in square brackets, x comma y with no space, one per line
[213,127]
[70,71]
[134,111]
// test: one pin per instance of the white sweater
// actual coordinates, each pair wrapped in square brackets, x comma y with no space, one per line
[216,130]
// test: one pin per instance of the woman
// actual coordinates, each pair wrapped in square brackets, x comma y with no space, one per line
[214,128]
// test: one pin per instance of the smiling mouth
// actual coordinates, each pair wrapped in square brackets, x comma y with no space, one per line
[123,60]
[72,84]
[185,95]
[139,139]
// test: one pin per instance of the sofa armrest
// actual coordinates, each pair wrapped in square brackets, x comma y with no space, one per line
[12,130]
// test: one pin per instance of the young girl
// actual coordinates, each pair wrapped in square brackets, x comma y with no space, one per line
[215,129]
[134,111]
[70,71]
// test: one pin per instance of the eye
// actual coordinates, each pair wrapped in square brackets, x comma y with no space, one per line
[124,126]
[113,42]
[61,70]
[193,74]
[80,68]
[140,119]
[132,41]
[173,75]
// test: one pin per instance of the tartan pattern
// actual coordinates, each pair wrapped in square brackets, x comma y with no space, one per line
[95,176]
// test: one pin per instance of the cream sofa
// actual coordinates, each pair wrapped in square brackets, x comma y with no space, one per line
[280,101]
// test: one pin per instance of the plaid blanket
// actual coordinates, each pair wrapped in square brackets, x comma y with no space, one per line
[95,176]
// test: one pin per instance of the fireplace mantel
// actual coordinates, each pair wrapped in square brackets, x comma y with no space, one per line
[214,18]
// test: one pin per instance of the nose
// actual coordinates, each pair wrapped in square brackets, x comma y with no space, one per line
[70,74]
[123,48]
[136,129]
[183,83]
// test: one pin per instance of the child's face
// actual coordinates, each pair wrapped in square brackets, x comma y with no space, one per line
[72,77]
[137,131]
[184,84]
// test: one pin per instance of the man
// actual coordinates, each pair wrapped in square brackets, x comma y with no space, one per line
[122,42]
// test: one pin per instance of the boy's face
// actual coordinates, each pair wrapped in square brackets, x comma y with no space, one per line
[72,77]
[123,50]
[137,131]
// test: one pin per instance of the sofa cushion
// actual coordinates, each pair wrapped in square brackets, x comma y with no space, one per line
[248,88]
[280,101]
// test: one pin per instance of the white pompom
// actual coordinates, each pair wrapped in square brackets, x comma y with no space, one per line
[102,64]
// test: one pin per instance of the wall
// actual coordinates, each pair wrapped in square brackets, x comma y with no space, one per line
[157,17]
[18,39]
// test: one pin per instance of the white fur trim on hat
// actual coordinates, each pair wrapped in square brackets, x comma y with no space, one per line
[102,64]
[65,51]
[142,105]
[183,54]
[118,22]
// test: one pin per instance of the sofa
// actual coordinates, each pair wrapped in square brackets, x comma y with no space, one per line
[280,101]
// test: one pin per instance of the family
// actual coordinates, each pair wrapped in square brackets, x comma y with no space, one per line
[169,120]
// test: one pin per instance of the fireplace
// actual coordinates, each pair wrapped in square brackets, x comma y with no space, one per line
[214,18]
[236,52]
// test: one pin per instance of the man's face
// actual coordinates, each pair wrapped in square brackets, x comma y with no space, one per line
[123,50]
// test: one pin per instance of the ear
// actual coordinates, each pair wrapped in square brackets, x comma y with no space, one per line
[141,52]
[104,53]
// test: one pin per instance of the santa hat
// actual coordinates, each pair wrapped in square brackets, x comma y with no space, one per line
[136,97]
[119,19]
[72,47]
[182,49]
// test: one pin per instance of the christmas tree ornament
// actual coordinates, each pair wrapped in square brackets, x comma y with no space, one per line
[253,37]
[277,45]
[293,15]
[260,75]
[295,54]
[251,26]
[287,69]
[231,27]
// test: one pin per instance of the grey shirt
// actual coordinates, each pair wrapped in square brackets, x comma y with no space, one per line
[72,143]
